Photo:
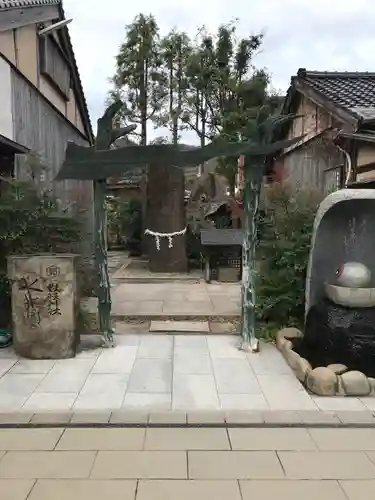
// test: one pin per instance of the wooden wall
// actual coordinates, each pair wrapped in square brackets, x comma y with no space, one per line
[313,165]
[40,128]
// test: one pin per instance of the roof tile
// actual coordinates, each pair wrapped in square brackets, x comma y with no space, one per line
[13,4]
[352,91]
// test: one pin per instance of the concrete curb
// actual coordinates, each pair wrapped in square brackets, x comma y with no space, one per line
[178,419]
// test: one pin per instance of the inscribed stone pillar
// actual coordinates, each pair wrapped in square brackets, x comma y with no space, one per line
[44,305]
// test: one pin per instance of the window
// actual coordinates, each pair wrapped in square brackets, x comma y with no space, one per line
[54,64]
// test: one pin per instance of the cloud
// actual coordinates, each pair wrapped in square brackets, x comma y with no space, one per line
[324,35]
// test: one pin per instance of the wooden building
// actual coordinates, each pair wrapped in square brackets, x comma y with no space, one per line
[336,114]
[41,97]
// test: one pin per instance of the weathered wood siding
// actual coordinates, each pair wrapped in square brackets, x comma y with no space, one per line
[38,127]
[313,166]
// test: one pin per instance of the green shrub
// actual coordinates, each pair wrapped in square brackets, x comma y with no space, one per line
[283,254]
[31,223]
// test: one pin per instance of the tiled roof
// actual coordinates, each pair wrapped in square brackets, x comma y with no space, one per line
[353,91]
[13,4]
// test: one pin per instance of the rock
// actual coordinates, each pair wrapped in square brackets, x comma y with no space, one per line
[371,381]
[355,384]
[289,333]
[292,358]
[322,381]
[286,346]
[338,368]
[302,369]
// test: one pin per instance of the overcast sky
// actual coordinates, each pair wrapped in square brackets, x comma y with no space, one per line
[325,35]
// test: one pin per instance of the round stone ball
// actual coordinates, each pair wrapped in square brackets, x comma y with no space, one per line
[353,275]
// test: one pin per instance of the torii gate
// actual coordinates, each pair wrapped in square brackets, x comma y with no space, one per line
[99,162]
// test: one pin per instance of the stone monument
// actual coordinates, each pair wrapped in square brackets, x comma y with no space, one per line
[44,305]
[335,354]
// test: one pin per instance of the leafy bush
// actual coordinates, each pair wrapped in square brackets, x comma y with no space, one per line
[31,223]
[125,223]
[283,254]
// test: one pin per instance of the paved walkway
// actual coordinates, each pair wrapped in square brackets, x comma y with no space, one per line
[187,464]
[182,372]
[173,299]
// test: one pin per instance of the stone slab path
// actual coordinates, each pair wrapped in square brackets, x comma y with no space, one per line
[187,464]
[173,299]
[165,372]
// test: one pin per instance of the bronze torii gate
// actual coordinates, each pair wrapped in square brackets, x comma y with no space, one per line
[99,162]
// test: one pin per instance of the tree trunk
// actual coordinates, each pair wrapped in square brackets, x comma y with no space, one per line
[166,214]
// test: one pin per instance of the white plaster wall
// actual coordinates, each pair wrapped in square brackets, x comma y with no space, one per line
[6,119]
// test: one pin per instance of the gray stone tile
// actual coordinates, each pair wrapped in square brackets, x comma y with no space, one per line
[268,360]
[192,392]
[50,401]
[318,417]
[192,361]
[129,417]
[234,376]
[188,490]
[6,364]
[244,417]
[144,400]
[91,417]
[167,417]
[359,490]
[291,490]
[82,489]
[338,403]
[326,465]
[282,417]
[140,465]
[12,402]
[156,346]
[33,366]
[271,439]
[191,342]
[47,464]
[101,439]
[99,384]
[355,417]
[70,382]
[171,439]
[234,465]
[151,375]
[51,417]
[15,489]
[206,417]
[16,417]
[225,347]
[118,360]
[344,439]
[29,439]
[91,402]
[19,384]
[179,326]
[243,402]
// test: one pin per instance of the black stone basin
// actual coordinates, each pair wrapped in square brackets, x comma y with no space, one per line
[338,334]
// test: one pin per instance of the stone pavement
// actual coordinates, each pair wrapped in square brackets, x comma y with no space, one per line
[187,464]
[173,299]
[178,372]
